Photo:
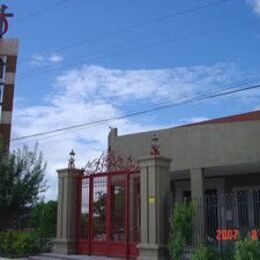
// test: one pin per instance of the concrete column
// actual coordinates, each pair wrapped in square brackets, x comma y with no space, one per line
[198,197]
[67,211]
[155,188]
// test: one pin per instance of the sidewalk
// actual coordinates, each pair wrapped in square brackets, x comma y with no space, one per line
[49,256]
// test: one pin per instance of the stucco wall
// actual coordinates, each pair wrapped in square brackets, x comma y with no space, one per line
[198,146]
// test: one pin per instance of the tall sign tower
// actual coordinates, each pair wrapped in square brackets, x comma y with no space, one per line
[8,57]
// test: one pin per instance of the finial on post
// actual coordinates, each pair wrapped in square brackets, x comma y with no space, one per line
[155,147]
[71,164]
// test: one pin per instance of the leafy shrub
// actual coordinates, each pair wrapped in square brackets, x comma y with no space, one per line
[44,219]
[247,249]
[175,245]
[204,253]
[18,243]
[181,229]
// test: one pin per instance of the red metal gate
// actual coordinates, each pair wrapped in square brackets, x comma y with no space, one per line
[108,220]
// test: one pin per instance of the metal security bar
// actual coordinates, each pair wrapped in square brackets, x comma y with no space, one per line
[98,208]
[108,221]
[84,210]
[219,219]
[230,214]
[118,192]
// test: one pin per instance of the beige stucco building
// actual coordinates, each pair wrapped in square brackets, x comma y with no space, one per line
[215,163]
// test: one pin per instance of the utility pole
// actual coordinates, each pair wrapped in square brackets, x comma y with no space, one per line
[3,20]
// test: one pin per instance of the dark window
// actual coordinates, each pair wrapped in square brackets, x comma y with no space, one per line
[186,196]
[256,202]
[242,201]
[211,212]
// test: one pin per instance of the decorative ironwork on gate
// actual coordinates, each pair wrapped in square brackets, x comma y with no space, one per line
[111,162]
[109,217]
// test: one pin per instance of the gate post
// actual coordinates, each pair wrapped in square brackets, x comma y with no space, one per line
[155,189]
[67,211]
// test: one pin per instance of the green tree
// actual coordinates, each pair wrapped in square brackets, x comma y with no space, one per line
[21,183]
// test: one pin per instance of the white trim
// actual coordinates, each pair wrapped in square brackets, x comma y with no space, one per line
[6,117]
[8,47]
[9,78]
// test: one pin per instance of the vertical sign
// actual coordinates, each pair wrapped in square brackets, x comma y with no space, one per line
[3,20]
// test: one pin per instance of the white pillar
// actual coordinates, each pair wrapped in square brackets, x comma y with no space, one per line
[67,211]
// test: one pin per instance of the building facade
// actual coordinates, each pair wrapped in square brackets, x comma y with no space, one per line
[215,163]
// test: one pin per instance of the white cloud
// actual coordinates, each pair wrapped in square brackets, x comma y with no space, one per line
[255,5]
[43,60]
[88,94]
[95,83]
[197,119]
[37,60]
[55,58]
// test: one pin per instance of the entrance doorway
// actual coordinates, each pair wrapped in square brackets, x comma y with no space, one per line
[108,215]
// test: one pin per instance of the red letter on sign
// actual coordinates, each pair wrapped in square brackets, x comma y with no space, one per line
[254,234]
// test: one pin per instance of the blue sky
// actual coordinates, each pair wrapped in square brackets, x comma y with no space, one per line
[82,60]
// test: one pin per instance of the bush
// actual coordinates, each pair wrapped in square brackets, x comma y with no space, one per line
[175,245]
[44,219]
[204,253]
[247,249]
[18,243]
[181,229]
